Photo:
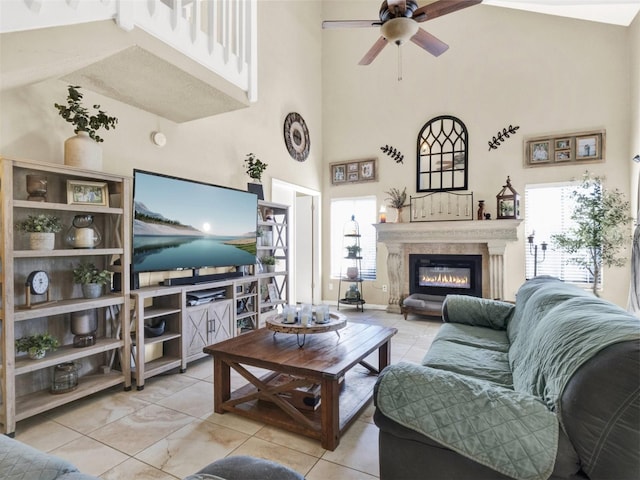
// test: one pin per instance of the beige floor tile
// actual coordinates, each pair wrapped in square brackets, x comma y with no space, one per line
[291,440]
[44,434]
[161,386]
[141,429]
[358,449]
[256,447]
[90,456]
[195,400]
[235,422]
[200,369]
[134,469]
[189,449]
[98,410]
[324,470]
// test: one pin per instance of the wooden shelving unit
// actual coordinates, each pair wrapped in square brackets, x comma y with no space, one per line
[25,383]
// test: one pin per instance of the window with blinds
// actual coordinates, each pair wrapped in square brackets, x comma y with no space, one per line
[364,210]
[548,209]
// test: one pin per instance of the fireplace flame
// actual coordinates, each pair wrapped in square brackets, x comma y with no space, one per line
[445,280]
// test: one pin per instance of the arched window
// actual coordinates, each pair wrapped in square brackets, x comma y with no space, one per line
[442,155]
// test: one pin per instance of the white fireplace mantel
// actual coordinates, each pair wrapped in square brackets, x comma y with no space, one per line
[398,237]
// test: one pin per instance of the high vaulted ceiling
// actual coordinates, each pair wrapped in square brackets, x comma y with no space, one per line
[617,12]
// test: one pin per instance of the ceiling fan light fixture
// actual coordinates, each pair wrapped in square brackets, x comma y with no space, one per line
[399,30]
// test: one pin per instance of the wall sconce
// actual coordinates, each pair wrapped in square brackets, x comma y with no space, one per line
[158,139]
[636,159]
[533,250]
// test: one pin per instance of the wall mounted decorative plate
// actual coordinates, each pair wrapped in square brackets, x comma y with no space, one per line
[296,136]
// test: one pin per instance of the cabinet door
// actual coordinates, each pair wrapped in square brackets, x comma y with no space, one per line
[195,330]
[220,323]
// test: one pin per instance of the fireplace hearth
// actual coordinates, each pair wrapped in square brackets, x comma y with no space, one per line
[445,274]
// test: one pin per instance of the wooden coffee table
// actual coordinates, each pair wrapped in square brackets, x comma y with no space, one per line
[327,361]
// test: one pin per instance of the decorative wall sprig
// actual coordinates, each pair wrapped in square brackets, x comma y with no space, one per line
[393,153]
[494,143]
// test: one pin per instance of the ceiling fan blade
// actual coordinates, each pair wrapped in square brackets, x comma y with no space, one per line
[430,43]
[351,23]
[440,8]
[373,52]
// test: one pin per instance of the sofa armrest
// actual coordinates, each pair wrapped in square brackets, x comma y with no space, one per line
[479,312]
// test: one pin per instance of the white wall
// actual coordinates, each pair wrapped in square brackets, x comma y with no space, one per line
[545,74]
[211,149]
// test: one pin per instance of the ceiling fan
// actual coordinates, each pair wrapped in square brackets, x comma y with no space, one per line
[399,22]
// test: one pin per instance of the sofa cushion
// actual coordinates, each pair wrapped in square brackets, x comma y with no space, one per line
[476,311]
[512,433]
[568,335]
[468,359]
[474,336]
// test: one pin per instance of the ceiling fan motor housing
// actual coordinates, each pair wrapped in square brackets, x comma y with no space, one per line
[399,30]
[387,14]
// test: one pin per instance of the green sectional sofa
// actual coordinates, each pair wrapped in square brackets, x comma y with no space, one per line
[548,387]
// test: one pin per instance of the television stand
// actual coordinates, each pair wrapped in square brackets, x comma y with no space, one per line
[198,279]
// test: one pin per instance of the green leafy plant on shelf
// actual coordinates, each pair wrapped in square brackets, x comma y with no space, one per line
[254,167]
[41,223]
[268,260]
[353,251]
[78,115]
[87,272]
[36,345]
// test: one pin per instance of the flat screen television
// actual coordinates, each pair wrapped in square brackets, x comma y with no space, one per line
[181,224]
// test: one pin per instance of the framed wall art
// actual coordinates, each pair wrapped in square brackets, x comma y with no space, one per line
[566,149]
[354,172]
[80,192]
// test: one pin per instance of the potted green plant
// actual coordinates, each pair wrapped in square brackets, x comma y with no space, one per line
[269,261]
[353,251]
[41,229]
[36,345]
[254,168]
[83,149]
[600,233]
[397,200]
[91,279]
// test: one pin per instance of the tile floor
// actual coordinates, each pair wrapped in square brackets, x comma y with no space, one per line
[169,430]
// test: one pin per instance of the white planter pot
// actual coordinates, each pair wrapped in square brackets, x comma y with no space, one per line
[42,240]
[82,151]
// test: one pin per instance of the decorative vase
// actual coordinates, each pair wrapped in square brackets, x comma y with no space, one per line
[36,353]
[83,233]
[91,290]
[257,189]
[84,325]
[270,268]
[42,240]
[352,273]
[65,378]
[37,188]
[399,215]
[82,151]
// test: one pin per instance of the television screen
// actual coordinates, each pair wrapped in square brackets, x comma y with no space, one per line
[184,224]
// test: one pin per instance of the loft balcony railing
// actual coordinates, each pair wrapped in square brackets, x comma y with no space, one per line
[219,34]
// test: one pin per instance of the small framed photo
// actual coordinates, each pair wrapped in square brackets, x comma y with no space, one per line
[368,170]
[563,155]
[563,144]
[539,152]
[587,147]
[352,167]
[80,192]
[338,174]
[353,177]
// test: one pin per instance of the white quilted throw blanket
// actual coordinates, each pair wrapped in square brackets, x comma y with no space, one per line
[512,433]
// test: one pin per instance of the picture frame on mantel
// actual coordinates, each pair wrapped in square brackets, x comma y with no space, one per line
[565,149]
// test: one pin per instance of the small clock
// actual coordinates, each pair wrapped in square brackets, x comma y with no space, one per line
[296,136]
[37,284]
